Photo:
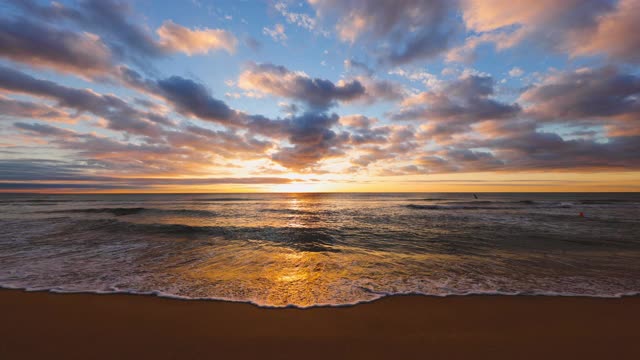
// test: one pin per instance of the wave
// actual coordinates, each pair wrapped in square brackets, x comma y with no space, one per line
[465,201]
[299,238]
[34,202]
[459,207]
[221,199]
[503,202]
[478,202]
[289,211]
[134,211]
[492,205]
[549,202]
[375,296]
[608,201]
[429,199]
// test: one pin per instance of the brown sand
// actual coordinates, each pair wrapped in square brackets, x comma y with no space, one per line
[84,326]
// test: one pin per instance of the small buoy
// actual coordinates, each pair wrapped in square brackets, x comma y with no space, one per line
[581,214]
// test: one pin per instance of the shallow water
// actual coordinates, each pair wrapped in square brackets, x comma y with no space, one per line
[322,249]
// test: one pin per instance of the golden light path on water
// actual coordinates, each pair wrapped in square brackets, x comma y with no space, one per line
[278,275]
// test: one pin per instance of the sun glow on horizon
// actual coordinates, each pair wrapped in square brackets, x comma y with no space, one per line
[469,182]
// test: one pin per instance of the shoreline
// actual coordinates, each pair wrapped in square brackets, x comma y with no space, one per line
[82,325]
[161,295]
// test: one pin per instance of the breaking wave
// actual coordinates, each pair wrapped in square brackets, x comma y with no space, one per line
[491,205]
[133,211]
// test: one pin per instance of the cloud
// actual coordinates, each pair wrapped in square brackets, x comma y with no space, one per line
[108,17]
[379,143]
[363,130]
[455,106]
[527,151]
[575,27]
[585,94]
[253,44]
[380,90]
[398,32]
[21,186]
[289,109]
[153,157]
[42,174]
[193,98]
[516,72]
[12,108]
[357,66]
[83,54]
[135,184]
[45,169]
[276,33]
[311,140]
[467,52]
[166,126]
[120,115]
[126,36]
[521,145]
[310,136]
[316,93]
[540,150]
[438,162]
[617,34]
[371,142]
[471,159]
[302,20]
[225,143]
[176,38]
[428,79]
[357,121]
[570,15]
[45,130]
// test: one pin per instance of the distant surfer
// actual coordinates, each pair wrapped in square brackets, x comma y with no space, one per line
[475,196]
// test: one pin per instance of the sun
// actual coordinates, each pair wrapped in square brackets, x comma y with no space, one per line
[298,187]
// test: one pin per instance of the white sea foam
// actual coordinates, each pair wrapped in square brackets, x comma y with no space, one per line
[162,294]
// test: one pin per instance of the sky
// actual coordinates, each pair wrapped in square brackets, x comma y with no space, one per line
[319,95]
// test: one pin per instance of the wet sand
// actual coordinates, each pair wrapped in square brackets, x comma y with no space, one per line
[79,326]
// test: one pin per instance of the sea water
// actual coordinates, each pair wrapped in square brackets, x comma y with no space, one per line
[322,249]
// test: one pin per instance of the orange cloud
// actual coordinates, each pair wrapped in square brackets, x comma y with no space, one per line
[176,38]
[617,34]
[488,15]
[577,27]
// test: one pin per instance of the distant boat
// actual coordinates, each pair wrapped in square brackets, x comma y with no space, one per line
[475,196]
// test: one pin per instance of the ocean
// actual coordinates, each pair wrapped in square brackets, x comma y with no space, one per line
[304,250]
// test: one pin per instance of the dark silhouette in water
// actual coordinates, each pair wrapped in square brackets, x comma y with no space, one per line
[475,196]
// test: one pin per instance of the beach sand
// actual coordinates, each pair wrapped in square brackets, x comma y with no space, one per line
[83,326]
